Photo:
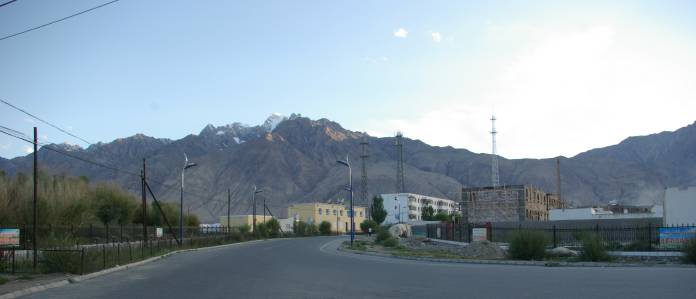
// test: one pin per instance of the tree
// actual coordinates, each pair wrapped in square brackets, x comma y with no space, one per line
[112,204]
[367,224]
[378,211]
[325,228]
[427,213]
[191,220]
[442,216]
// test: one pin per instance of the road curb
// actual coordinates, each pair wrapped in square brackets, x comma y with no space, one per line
[81,278]
[515,262]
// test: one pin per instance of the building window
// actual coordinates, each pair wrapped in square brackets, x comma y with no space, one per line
[334,212]
[327,212]
[340,212]
[319,211]
[361,214]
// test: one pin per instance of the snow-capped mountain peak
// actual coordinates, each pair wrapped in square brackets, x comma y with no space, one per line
[273,121]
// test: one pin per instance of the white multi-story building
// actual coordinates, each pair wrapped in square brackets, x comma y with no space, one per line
[406,207]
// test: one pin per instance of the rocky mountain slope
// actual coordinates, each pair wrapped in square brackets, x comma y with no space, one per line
[293,160]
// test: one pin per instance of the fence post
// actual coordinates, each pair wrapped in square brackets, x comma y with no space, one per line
[104,254]
[91,231]
[82,261]
[13,261]
[555,241]
[118,253]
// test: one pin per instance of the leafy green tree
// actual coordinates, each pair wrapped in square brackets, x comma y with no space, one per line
[191,220]
[112,204]
[325,228]
[367,224]
[442,216]
[378,211]
[428,213]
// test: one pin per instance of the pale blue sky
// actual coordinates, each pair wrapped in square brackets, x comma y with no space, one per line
[576,76]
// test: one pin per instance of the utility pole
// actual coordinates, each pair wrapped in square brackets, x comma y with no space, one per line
[228,209]
[363,183]
[36,190]
[144,202]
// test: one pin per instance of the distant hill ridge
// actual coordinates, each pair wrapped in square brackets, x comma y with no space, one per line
[293,159]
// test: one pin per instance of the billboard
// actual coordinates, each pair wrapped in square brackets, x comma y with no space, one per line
[9,237]
[676,237]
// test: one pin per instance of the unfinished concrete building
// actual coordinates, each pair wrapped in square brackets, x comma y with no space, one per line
[507,203]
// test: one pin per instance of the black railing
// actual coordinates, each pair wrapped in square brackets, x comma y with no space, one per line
[621,238]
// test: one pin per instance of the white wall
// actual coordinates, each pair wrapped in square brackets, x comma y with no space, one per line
[680,206]
[398,205]
[599,213]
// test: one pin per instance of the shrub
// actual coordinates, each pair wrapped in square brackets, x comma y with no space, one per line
[273,227]
[593,249]
[390,242]
[303,229]
[325,228]
[690,252]
[365,225]
[527,245]
[383,235]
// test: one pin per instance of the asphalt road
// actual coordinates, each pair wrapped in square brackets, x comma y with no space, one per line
[312,268]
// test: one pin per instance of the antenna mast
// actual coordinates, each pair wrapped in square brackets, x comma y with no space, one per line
[495,176]
[400,163]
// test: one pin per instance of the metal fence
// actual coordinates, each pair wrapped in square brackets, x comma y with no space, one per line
[87,258]
[621,238]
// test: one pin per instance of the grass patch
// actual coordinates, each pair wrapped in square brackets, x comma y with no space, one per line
[25,277]
[3,280]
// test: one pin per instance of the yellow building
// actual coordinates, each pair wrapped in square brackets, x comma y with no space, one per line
[241,220]
[335,214]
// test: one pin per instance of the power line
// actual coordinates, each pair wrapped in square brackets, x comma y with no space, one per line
[43,121]
[22,136]
[8,2]
[59,20]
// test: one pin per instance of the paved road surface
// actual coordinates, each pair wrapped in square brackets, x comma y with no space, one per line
[312,268]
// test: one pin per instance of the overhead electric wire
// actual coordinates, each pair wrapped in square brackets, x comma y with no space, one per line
[59,20]
[43,121]
[24,137]
[8,2]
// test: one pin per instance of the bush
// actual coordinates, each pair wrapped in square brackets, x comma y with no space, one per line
[527,245]
[390,242]
[593,249]
[273,228]
[325,228]
[365,225]
[303,229]
[690,252]
[383,235]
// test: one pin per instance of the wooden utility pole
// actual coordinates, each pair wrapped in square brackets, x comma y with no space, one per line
[144,203]
[228,209]
[36,190]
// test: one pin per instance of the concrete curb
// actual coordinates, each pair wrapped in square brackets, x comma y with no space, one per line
[514,262]
[76,279]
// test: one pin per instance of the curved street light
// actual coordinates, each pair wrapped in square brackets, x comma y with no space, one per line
[350,190]
[187,165]
[253,198]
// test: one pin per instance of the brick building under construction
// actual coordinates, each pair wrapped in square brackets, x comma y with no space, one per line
[507,203]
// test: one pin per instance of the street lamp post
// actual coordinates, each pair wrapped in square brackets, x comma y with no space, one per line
[187,165]
[350,189]
[253,198]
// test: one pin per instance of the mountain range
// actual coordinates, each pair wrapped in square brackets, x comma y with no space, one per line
[293,159]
